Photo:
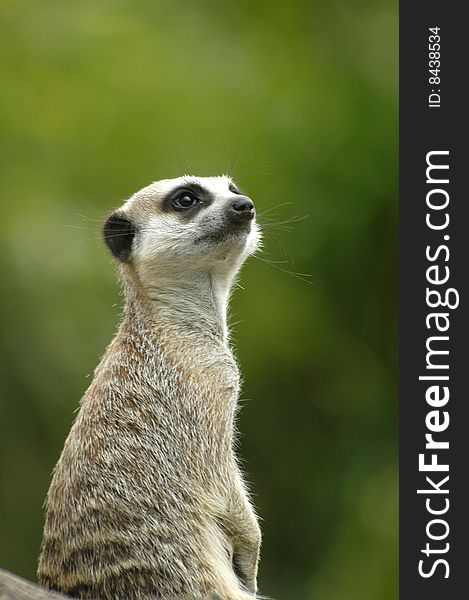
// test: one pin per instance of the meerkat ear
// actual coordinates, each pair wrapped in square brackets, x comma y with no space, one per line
[119,232]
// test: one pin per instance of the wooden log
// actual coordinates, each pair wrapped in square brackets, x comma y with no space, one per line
[13,587]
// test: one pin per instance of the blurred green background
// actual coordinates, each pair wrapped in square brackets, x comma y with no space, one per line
[299,102]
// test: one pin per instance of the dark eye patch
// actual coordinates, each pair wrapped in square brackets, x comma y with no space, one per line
[178,200]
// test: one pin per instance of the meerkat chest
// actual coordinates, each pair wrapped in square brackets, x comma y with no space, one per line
[214,371]
[181,364]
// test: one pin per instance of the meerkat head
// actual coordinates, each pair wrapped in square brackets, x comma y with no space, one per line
[184,228]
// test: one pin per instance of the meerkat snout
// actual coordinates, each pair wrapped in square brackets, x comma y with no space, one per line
[242,210]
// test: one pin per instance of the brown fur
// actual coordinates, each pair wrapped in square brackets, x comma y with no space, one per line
[147,500]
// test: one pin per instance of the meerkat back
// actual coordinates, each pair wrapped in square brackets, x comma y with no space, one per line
[147,500]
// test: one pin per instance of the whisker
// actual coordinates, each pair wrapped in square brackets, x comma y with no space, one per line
[181,167]
[234,164]
[274,226]
[234,323]
[116,235]
[257,170]
[294,219]
[275,262]
[81,227]
[281,243]
[99,237]
[85,218]
[300,276]
[264,212]
[95,239]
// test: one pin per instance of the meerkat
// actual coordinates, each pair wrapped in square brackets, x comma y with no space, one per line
[147,500]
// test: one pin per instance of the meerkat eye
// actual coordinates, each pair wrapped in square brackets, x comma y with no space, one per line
[184,201]
[233,188]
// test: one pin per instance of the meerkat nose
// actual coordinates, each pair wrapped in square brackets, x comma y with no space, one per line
[242,209]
